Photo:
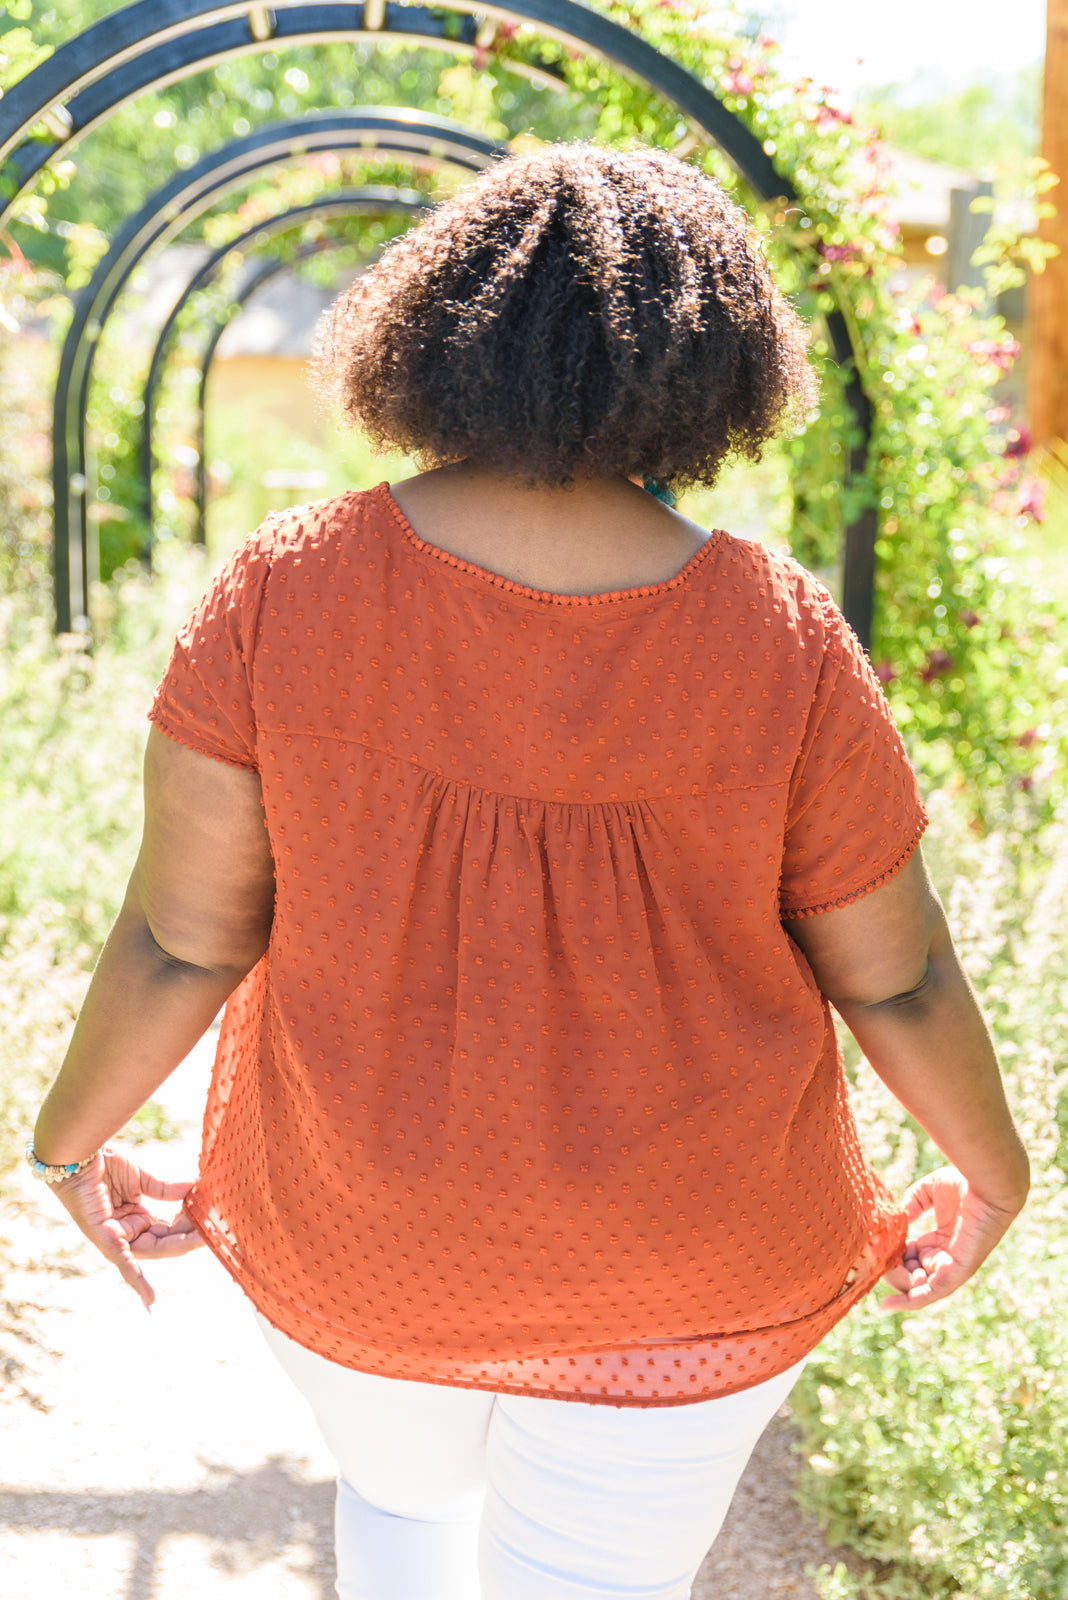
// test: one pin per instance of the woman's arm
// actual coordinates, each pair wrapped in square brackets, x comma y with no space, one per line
[196,918]
[888,966]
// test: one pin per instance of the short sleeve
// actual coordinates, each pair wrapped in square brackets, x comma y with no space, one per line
[205,697]
[854,815]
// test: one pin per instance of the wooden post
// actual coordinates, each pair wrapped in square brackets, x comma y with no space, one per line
[1048,290]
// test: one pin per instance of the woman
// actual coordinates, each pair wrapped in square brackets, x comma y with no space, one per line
[527,832]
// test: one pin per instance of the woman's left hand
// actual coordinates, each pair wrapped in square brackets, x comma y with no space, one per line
[936,1262]
[106,1202]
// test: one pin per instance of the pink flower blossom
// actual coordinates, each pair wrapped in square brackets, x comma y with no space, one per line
[1029,737]
[827,117]
[1031,499]
[939,662]
[1018,442]
[999,353]
[970,619]
[737,82]
[1025,782]
[885,673]
[840,252]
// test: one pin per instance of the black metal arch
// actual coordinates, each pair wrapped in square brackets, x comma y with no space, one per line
[408,135]
[244,293]
[168,39]
[153,42]
[347,202]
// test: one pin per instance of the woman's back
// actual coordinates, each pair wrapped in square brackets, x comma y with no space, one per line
[528,988]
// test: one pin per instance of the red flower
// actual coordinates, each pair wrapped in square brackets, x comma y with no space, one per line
[1026,782]
[1018,442]
[938,664]
[885,672]
[970,619]
[1029,737]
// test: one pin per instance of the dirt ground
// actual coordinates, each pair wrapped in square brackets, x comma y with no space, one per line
[162,1457]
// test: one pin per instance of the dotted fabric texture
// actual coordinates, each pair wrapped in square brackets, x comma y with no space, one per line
[532,1092]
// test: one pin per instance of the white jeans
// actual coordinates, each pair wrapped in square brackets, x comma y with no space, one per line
[457,1494]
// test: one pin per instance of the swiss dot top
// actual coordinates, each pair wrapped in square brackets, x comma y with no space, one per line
[532,1091]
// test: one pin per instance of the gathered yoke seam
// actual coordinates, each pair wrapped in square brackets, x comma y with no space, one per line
[511,794]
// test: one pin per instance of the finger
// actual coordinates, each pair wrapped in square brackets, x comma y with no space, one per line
[165,1188]
[918,1200]
[944,1278]
[166,1246]
[115,1247]
[169,1238]
[934,1258]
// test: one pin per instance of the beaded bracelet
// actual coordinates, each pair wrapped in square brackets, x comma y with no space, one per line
[56,1174]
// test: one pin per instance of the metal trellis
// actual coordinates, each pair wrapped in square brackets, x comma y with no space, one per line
[151,43]
[369,200]
[403,134]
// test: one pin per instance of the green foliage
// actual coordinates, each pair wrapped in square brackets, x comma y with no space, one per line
[72,730]
[990,124]
[938,1440]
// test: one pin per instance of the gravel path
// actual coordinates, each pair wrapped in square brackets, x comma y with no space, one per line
[167,1457]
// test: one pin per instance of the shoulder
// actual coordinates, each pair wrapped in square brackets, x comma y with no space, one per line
[774,585]
[301,537]
[305,529]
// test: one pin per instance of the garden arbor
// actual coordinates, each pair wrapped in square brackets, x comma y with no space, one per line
[152,43]
[164,215]
[373,200]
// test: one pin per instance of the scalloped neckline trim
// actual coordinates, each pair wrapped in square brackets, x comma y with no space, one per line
[644,591]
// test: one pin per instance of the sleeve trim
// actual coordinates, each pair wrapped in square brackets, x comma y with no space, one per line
[181,736]
[791,913]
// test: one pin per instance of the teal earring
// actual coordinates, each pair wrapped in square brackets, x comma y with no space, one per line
[659,491]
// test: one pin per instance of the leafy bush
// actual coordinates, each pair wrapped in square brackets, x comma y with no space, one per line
[939,1441]
[72,730]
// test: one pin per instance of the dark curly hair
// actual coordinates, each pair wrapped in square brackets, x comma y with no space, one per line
[575,311]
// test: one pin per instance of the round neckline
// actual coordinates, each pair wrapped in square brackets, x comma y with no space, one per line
[644,591]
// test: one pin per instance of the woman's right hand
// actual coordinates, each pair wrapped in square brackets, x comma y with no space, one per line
[106,1202]
[966,1229]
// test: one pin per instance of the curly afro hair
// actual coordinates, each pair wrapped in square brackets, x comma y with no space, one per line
[573,312]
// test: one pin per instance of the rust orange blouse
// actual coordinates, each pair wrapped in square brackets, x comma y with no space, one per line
[532,1090]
